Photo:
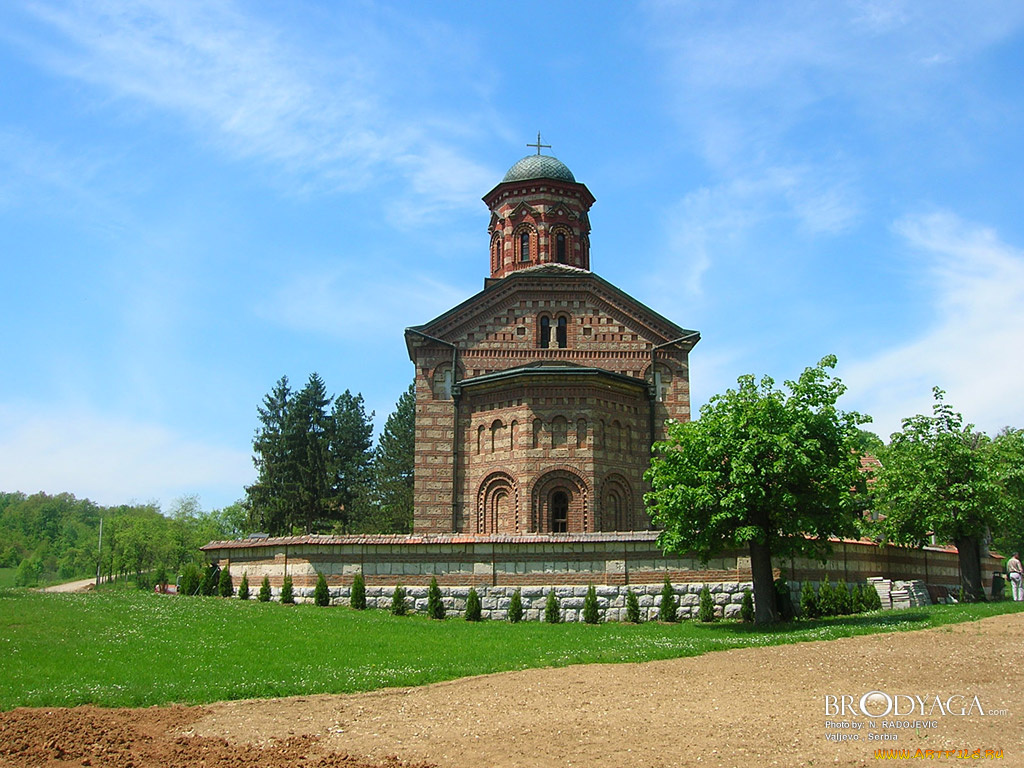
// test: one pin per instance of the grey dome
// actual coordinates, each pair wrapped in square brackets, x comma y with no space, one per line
[539,167]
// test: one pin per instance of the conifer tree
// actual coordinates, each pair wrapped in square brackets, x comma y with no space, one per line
[225,588]
[243,587]
[287,597]
[808,600]
[515,607]
[591,610]
[349,459]
[264,595]
[272,498]
[668,609]
[393,464]
[632,607]
[357,598]
[826,598]
[706,609]
[435,605]
[398,605]
[552,609]
[321,595]
[474,611]
[747,607]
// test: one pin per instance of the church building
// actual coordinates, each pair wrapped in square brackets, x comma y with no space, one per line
[538,398]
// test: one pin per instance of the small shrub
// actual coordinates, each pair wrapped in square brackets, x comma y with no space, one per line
[515,607]
[210,580]
[225,587]
[747,607]
[321,595]
[243,587]
[591,611]
[144,582]
[632,607]
[552,609]
[668,609]
[826,598]
[872,600]
[287,598]
[160,579]
[473,610]
[706,611]
[808,600]
[784,599]
[357,598]
[399,607]
[264,595]
[435,606]
[844,603]
[189,580]
[856,599]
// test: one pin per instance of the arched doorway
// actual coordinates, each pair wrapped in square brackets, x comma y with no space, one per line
[559,512]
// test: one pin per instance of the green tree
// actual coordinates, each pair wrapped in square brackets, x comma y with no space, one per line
[310,433]
[393,464]
[225,588]
[763,469]
[632,607]
[321,595]
[357,598]
[211,578]
[1007,461]
[243,587]
[474,610]
[668,608]
[264,595]
[515,607]
[706,608]
[287,595]
[808,600]
[591,611]
[350,459]
[552,609]
[827,605]
[273,498]
[399,607]
[190,580]
[747,607]
[435,605]
[938,480]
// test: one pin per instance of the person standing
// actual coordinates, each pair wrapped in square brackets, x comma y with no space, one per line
[1015,571]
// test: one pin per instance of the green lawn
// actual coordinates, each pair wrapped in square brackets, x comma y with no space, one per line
[139,649]
[7,577]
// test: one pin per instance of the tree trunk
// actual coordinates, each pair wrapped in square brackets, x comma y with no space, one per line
[765,608]
[969,553]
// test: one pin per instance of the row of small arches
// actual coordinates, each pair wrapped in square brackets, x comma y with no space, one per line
[526,247]
[559,433]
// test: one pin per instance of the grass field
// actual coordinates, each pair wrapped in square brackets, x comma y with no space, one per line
[7,577]
[139,649]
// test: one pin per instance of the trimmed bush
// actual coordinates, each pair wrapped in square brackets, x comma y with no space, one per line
[435,606]
[357,598]
[398,605]
[321,595]
[243,587]
[706,611]
[668,609]
[747,607]
[784,599]
[872,601]
[225,587]
[264,595]
[473,610]
[844,603]
[856,599]
[808,600]
[211,578]
[826,598]
[287,598]
[515,607]
[190,580]
[552,609]
[591,610]
[632,607]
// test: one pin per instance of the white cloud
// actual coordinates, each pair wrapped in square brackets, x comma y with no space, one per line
[972,348]
[113,460]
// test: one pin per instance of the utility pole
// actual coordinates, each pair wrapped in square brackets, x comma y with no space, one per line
[99,555]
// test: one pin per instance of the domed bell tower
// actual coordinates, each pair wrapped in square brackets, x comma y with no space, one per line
[539,215]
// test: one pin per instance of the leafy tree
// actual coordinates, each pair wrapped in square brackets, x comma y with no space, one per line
[287,596]
[632,607]
[552,609]
[224,586]
[706,609]
[937,479]
[474,610]
[591,611]
[321,595]
[393,464]
[1007,461]
[398,605]
[243,587]
[763,469]
[747,607]
[357,599]
[668,608]
[435,605]
[264,595]
[515,607]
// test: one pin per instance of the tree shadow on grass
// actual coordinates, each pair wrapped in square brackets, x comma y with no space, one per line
[880,621]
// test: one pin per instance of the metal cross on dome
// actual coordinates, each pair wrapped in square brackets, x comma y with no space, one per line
[538,145]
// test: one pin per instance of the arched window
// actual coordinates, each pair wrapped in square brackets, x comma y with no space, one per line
[560,248]
[562,334]
[480,440]
[524,246]
[581,433]
[559,512]
[513,434]
[496,253]
[545,332]
[497,436]
[538,427]
[559,432]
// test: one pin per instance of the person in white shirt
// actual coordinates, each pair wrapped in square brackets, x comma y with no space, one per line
[1015,571]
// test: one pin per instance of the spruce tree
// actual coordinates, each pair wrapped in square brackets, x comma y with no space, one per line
[349,460]
[826,598]
[474,611]
[357,598]
[668,609]
[706,610]
[272,498]
[747,607]
[393,463]
[591,611]
[243,587]
[225,588]
[308,439]
[435,605]
[552,609]
[399,607]
[264,595]
[844,604]
[632,607]
[287,598]
[211,578]
[856,599]
[321,595]
[808,600]
[515,607]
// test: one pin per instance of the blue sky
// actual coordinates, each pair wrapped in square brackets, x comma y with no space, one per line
[197,198]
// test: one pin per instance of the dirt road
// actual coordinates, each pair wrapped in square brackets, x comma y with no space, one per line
[83,585]
[955,688]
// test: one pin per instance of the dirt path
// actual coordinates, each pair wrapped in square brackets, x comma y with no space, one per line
[84,585]
[754,706]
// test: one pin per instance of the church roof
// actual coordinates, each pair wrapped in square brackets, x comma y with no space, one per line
[552,368]
[539,167]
